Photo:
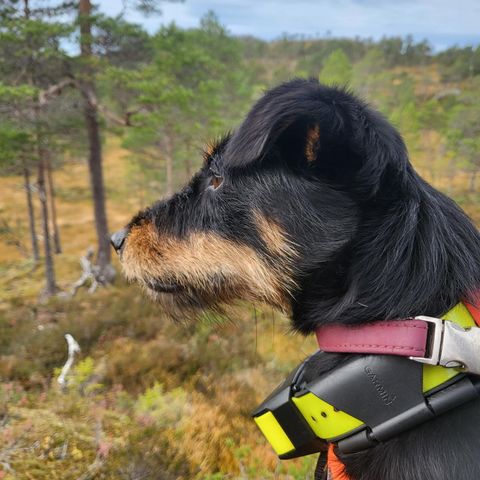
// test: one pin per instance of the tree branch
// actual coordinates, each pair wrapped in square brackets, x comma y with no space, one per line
[73,348]
[124,121]
[54,90]
[113,117]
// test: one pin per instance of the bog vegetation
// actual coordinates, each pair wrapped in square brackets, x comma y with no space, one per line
[99,118]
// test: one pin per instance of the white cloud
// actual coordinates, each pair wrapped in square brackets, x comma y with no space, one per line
[443,22]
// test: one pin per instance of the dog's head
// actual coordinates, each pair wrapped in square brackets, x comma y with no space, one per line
[281,211]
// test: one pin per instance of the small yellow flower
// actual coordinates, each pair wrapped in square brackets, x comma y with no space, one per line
[46,442]
[76,453]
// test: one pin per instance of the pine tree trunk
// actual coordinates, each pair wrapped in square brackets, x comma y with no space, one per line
[97,186]
[53,208]
[51,286]
[31,214]
[94,141]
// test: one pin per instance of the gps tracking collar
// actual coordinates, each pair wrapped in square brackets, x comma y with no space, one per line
[409,371]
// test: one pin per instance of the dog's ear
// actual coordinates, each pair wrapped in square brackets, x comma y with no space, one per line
[330,131]
[282,119]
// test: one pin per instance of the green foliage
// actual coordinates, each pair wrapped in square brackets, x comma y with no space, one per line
[459,63]
[337,69]
[404,51]
[186,95]
[464,136]
[32,59]
[16,147]
[369,67]
[33,43]
[15,93]
[164,408]
[121,43]
[83,373]
[432,115]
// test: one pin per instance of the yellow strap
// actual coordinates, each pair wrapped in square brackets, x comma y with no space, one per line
[324,419]
[274,433]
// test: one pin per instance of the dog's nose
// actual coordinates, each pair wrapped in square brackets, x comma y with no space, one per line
[118,239]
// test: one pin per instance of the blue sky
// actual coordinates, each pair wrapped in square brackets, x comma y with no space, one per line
[442,22]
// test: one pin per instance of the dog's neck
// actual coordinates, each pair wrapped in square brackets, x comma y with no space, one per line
[418,255]
[412,255]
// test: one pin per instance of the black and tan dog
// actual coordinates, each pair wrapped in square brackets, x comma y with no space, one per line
[313,207]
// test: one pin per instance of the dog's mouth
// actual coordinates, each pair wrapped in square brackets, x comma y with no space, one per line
[180,302]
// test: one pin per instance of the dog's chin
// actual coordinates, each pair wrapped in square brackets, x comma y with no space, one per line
[187,301]
[180,302]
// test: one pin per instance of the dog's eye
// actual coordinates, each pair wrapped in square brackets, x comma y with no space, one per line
[215,181]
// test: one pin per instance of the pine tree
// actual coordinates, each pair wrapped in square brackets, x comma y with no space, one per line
[16,158]
[186,95]
[30,39]
[337,69]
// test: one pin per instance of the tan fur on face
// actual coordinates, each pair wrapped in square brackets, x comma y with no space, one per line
[274,238]
[208,151]
[312,144]
[202,256]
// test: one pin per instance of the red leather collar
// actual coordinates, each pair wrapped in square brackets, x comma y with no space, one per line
[406,338]
[402,337]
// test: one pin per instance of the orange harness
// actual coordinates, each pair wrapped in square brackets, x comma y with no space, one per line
[335,467]
[475,310]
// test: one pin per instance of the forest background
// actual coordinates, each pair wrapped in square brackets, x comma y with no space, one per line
[99,118]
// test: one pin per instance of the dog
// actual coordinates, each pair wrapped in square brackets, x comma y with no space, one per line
[313,207]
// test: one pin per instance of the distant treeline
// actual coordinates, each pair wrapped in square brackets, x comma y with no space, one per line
[457,63]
